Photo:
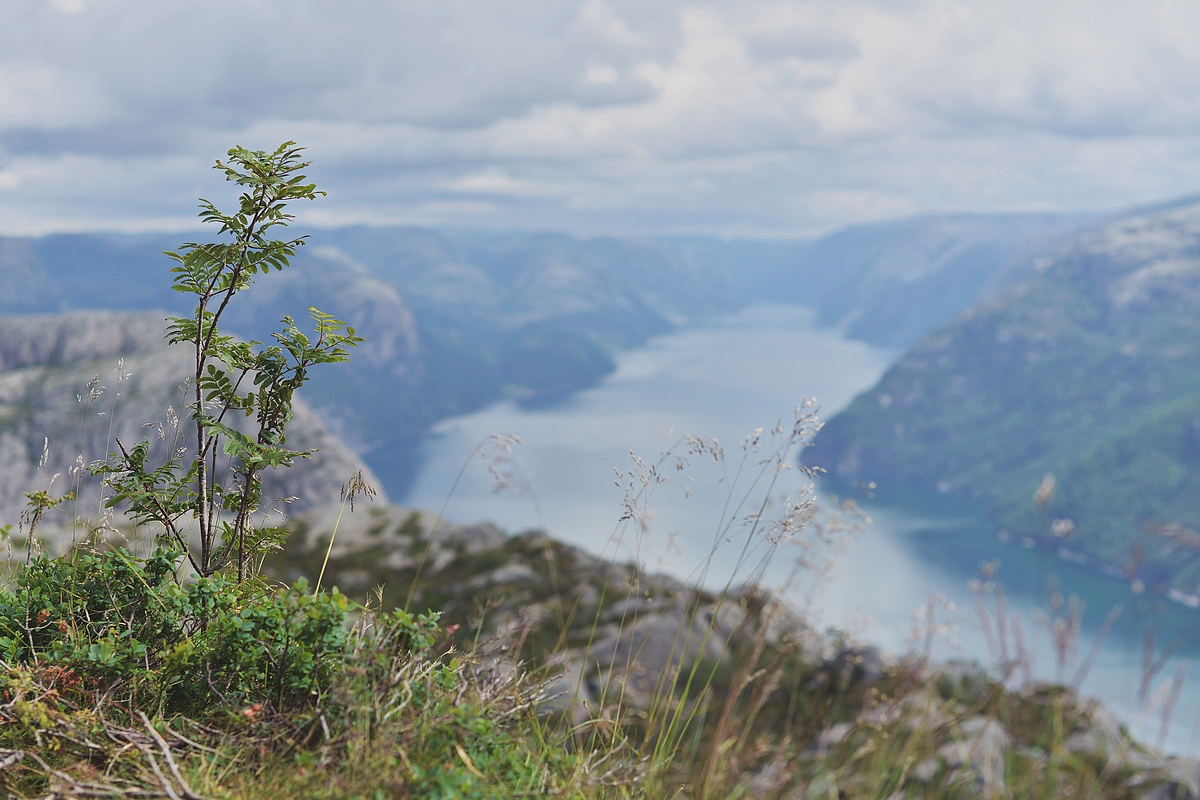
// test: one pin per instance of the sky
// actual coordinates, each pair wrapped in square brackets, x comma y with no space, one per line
[737,119]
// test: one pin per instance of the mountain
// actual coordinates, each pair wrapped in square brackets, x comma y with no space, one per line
[25,286]
[457,319]
[453,321]
[70,383]
[890,283]
[1088,371]
[112,271]
[519,278]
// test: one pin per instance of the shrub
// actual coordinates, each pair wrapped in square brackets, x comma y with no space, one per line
[113,620]
[103,615]
[281,648]
[220,488]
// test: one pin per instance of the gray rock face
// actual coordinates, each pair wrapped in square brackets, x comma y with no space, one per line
[978,755]
[67,340]
[72,384]
[338,285]
[634,660]
[1180,780]
[1103,736]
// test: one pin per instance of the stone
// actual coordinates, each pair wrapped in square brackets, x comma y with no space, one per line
[507,574]
[1177,779]
[767,781]
[978,754]
[831,736]
[568,694]
[638,661]
[1102,736]
[857,663]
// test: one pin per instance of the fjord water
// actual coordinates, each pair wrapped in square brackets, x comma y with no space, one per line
[724,380]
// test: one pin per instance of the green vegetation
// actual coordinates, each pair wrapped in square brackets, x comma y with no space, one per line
[1088,372]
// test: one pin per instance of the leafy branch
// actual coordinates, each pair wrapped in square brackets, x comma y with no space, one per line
[232,378]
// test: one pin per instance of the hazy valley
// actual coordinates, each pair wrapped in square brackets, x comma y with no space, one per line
[454,321]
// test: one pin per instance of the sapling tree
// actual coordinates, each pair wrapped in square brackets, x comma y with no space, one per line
[241,391]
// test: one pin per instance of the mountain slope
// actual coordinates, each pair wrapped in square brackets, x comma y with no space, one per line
[455,320]
[71,383]
[1087,371]
[25,286]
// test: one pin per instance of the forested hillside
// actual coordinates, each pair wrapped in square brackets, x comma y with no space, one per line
[1089,371]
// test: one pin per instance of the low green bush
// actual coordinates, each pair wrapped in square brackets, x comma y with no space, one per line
[113,620]
[107,616]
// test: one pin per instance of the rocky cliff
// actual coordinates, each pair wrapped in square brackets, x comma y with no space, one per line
[452,321]
[70,384]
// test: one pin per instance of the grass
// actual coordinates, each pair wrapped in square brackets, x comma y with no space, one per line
[432,722]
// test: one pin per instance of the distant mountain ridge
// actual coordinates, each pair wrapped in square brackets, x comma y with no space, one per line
[1088,371]
[889,283]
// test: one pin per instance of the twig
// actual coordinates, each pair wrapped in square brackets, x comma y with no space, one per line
[10,757]
[166,751]
[190,742]
[77,789]
[1094,652]
[162,779]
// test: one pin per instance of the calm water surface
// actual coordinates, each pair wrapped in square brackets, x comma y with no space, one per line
[722,381]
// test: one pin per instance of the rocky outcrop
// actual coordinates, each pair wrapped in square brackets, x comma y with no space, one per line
[825,716]
[72,384]
[948,740]
[615,631]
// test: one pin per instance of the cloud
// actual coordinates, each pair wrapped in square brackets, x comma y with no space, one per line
[594,116]
[602,18]
[494,181]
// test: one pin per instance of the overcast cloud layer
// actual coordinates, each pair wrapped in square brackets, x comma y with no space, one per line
[756,118]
